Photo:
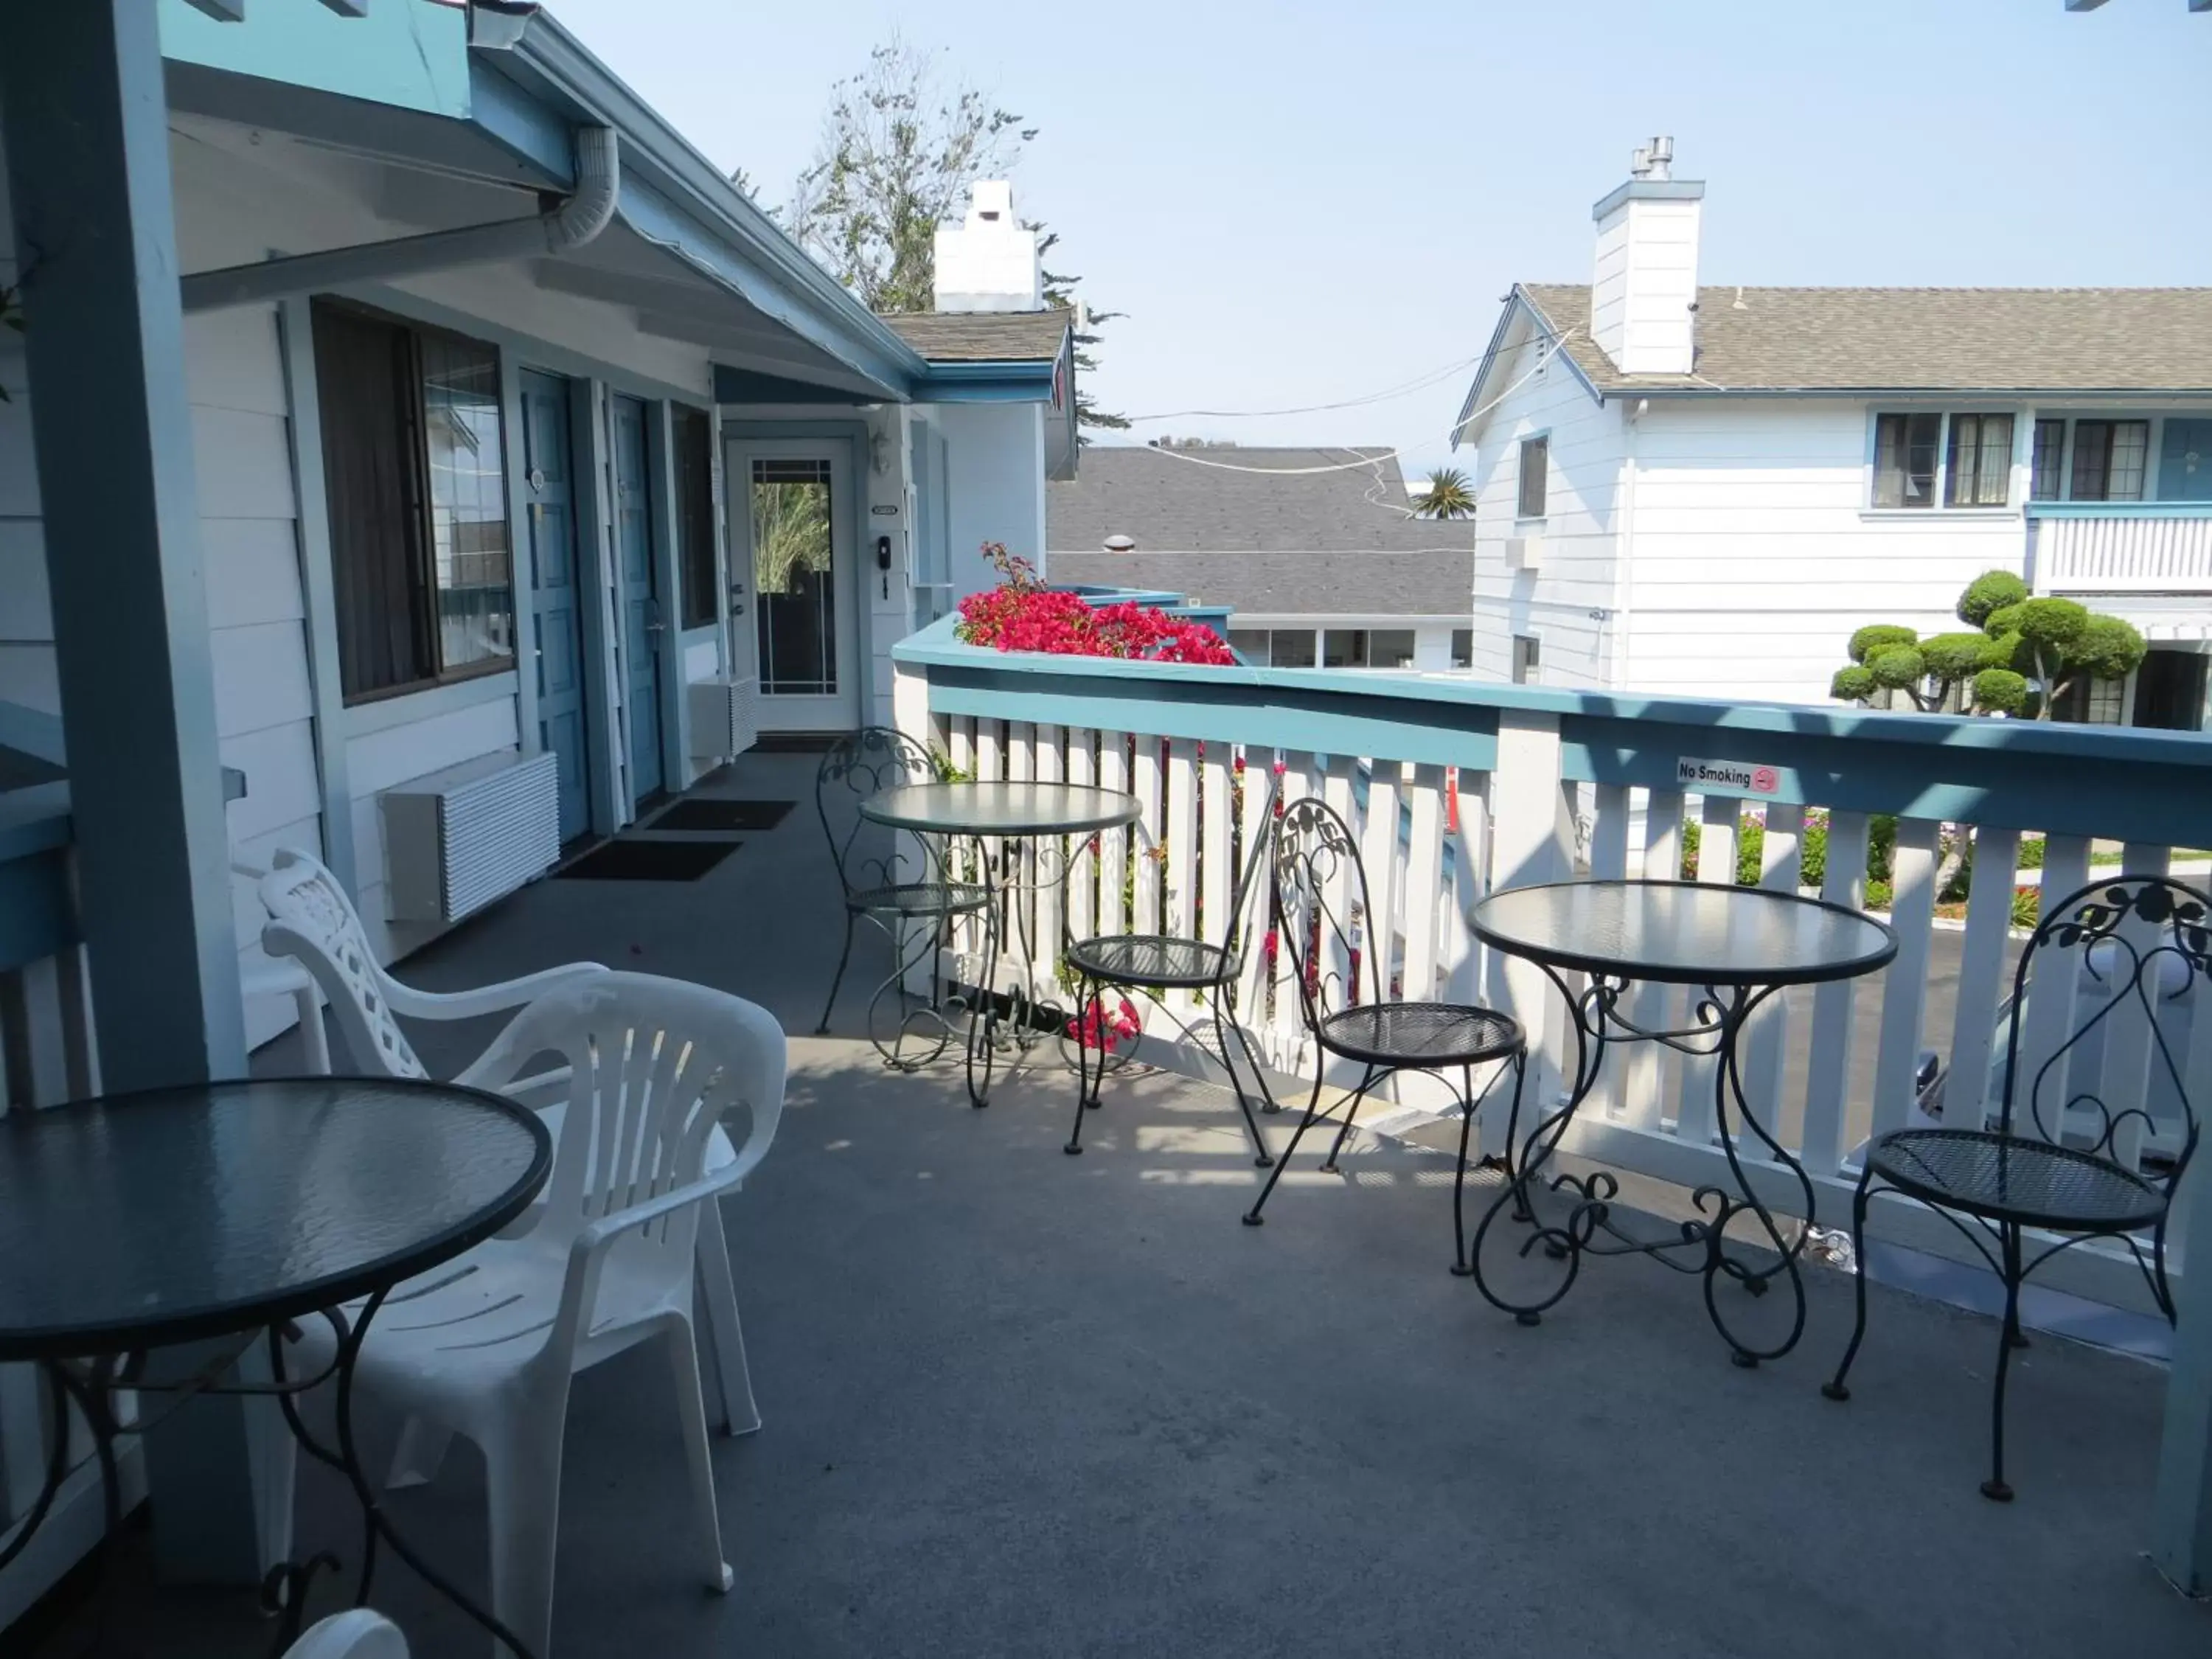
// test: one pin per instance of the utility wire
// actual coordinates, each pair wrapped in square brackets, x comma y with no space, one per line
[1459,426]
[1403,389]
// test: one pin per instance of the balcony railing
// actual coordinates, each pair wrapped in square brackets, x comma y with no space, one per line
[1554,783]
[2120,547]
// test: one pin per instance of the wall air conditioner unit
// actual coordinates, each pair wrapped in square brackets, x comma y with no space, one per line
[1524,552]
[724,717]
[457,840]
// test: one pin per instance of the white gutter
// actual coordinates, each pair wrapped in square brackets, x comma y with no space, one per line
[576,220]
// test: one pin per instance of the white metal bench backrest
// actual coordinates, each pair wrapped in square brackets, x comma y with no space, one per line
[311,918]
[653,1063]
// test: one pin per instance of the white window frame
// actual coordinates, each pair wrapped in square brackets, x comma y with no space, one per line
[2023,455]
[1520,462]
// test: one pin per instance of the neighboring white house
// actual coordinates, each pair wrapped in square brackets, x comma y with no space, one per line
[1316,552]
[1705,490]
[470,499]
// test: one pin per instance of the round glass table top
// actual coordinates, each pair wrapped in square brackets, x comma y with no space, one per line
[175,1213]
[1001,809]
[1683,933]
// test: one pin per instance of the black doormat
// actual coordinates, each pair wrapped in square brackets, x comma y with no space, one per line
[797,742]
[650,860]
[707,815]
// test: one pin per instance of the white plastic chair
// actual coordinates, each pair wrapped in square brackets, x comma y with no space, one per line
[486,1345]
[313,920]
[356,1633]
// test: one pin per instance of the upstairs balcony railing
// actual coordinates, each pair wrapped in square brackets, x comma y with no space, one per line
[2120,547]
[1550,784]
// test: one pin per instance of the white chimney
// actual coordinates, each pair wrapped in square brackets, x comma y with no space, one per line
[990,263]
[1644,294]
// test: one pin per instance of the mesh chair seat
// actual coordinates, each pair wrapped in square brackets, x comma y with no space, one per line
[1419,1034]
[920,898]
[2012,1178]
[1151,959]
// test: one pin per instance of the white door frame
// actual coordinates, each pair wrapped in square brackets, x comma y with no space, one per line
[836,712]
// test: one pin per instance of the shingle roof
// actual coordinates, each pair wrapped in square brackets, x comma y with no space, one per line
[1272,541]
[984,336]
[1933,339]
[1166,504]
[1361,583]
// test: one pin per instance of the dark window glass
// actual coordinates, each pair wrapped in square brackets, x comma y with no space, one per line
[1343,647]
[695,513]
[1291,647]
[795,599]
[1905,460]
[1536,478]
[2109,460]
[1391,648]
[414,469]
[2048,481]
[1978,467]
[1251,644]
[1462,647]
[468,503]
[1528,657]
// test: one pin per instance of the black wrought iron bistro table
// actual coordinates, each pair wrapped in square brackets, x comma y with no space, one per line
[223,1214]
[1014,827]
[1740,947]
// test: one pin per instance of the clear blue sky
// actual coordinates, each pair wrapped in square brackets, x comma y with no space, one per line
[1298,202]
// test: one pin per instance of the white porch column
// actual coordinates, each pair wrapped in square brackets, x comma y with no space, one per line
[88,143]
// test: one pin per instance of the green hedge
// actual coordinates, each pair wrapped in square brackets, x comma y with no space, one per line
[1812,850]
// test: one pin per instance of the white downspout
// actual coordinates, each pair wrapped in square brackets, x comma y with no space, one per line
[574,221]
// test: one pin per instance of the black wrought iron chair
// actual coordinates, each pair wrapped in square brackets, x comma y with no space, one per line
[1153,964]
[1340,953]
[894,890]
[2136,952]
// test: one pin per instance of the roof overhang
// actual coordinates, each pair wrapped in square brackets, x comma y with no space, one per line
[696,258]
[1505,343]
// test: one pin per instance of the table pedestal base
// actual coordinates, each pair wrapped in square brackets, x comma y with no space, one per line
[1702,1245]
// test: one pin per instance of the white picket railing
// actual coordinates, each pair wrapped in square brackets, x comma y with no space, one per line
[2162,549]
[1822,1077]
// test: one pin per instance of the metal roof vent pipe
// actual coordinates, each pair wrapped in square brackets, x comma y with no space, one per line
[566,225]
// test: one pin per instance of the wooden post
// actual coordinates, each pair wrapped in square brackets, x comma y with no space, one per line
[87,145]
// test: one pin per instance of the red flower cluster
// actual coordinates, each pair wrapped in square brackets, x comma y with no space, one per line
[1020,615]
[1096,1028]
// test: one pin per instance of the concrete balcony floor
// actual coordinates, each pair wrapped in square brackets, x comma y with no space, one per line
[1018,1403]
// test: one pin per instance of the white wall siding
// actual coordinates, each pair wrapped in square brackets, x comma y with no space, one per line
[1578,572]
[995,462]
[1755,556]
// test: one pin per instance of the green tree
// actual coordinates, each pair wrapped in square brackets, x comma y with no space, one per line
[1450,495]
[2026,653]
[900,149]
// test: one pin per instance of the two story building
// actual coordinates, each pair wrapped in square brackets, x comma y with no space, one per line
[1703,489]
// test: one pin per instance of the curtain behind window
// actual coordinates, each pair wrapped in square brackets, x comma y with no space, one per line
[364,371]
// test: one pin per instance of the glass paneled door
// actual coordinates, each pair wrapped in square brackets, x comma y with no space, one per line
[794,600]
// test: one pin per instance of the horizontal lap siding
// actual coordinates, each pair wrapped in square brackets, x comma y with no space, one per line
[1578,572]
[1755,558]
[257,620]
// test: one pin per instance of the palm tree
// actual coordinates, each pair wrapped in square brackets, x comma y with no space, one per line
[1450,496]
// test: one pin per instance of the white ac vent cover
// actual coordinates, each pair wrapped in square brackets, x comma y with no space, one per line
[457,840]
[724,717]
[1524,552]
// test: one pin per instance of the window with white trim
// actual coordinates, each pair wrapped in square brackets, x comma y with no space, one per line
[1924,458]
[1533,488]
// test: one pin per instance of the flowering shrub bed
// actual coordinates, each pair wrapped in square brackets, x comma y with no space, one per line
[1022,614]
